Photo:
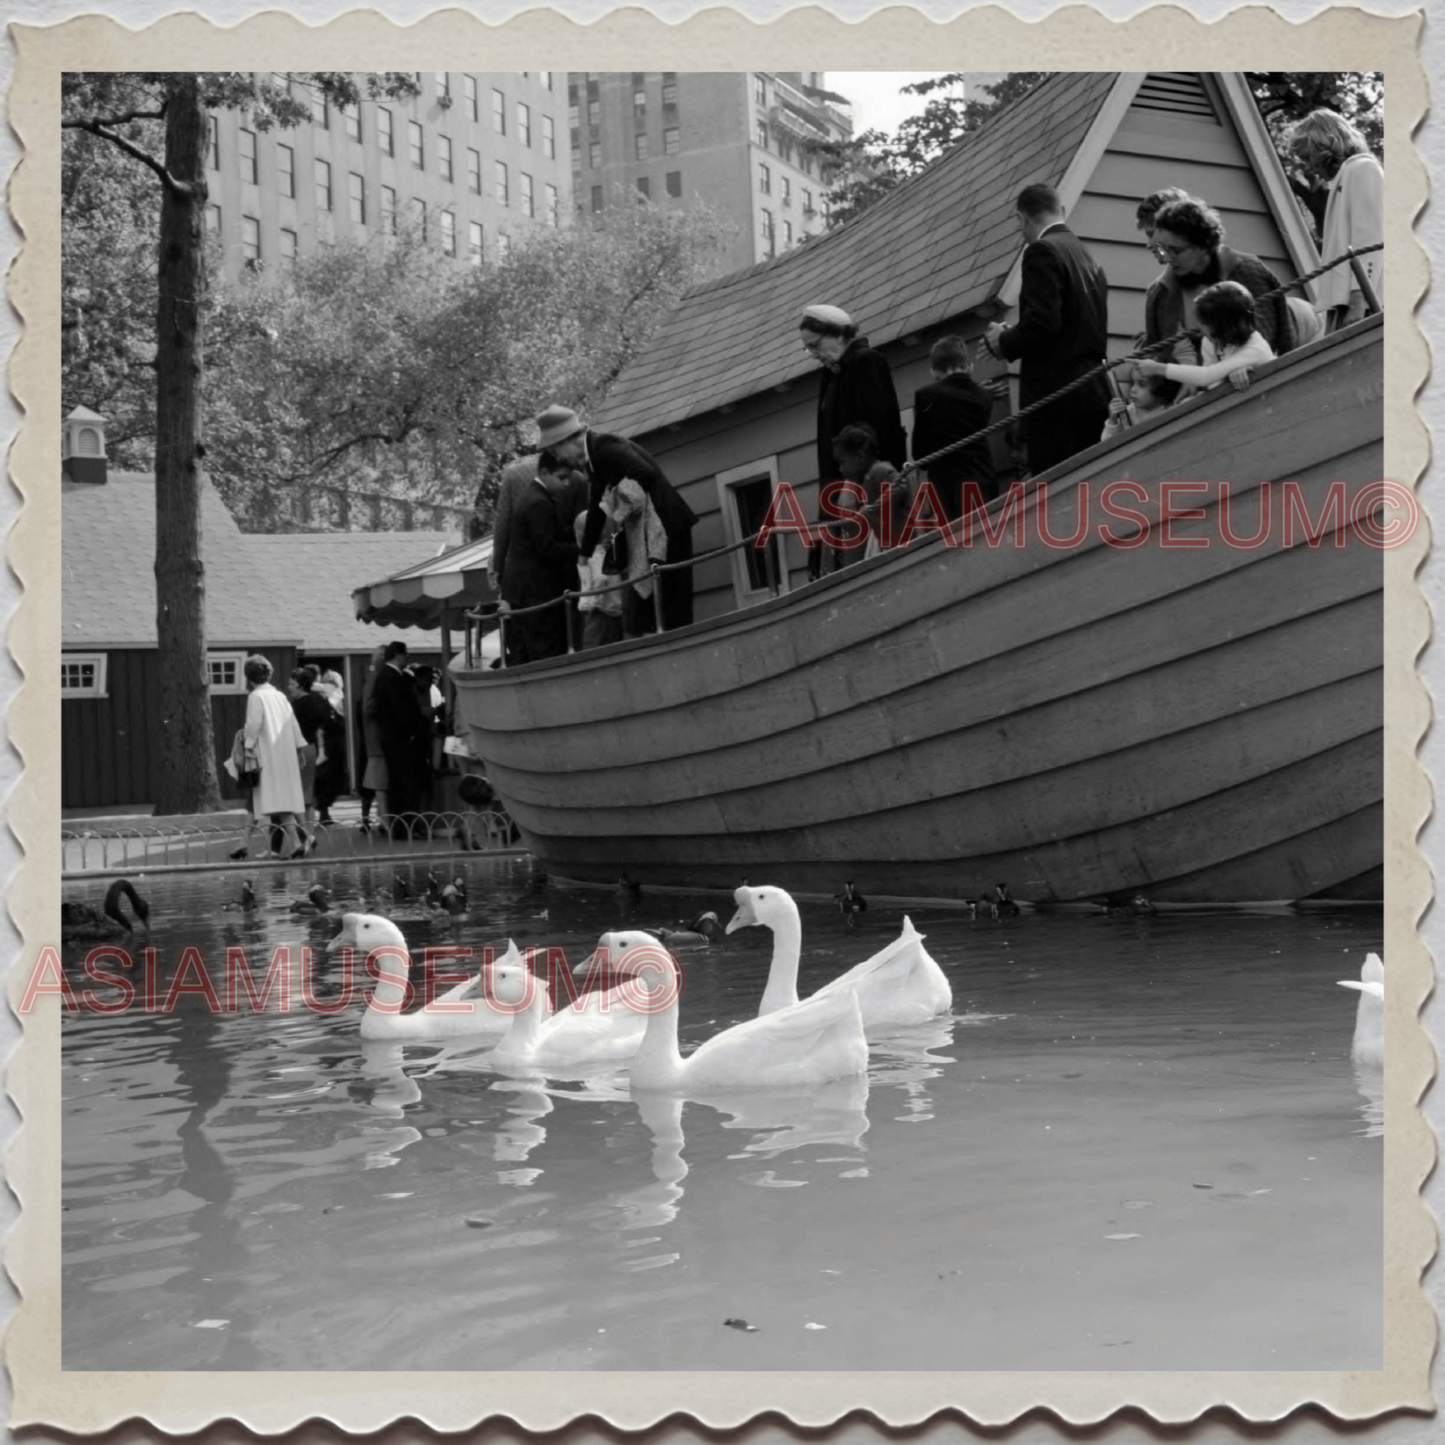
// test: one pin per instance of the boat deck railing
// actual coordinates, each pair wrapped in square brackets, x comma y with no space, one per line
[503,612]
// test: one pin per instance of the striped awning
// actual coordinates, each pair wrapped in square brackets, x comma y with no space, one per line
[420,594]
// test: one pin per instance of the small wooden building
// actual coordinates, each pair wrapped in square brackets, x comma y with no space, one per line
[726,398]
[287,596]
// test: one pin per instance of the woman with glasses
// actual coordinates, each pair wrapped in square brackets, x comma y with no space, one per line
[1191,237]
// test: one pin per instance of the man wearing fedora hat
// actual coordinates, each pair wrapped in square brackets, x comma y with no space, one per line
[610,459]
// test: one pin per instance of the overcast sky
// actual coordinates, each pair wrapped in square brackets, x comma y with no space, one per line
[877,104]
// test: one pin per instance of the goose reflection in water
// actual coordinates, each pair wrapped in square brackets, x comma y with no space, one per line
[905,1059]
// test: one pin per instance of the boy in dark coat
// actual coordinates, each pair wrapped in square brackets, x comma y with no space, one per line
[952,407]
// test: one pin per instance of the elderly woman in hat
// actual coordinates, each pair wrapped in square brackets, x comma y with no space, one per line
[856,390]
[609,460]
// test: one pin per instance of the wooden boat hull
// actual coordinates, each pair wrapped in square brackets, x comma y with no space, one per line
[1078,718]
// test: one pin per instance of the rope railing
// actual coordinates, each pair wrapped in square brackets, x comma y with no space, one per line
[504,612]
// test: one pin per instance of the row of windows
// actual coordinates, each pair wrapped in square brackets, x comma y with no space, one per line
[83,674]
[321,110]
[641,147]
[672,183]
[770,230]
[785,188]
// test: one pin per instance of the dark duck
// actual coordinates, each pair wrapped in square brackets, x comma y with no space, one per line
[85,920]
[1001,905]
[317,900]
[851,902]
[702,930]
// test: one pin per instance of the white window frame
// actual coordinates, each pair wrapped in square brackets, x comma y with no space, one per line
[97,689]
[727,482]
[225,689]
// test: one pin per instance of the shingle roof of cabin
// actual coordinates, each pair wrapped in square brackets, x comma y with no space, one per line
[259,588]
[932,249]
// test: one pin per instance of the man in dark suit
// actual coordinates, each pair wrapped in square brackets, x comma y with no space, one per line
[1062,332]
[404,734]
[541,563]
[952,407]
[608,460]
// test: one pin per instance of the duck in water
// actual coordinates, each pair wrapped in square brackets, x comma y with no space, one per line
[84,920]
[851,902]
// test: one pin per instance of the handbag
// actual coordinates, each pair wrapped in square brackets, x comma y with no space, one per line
[250,778]
[614,559]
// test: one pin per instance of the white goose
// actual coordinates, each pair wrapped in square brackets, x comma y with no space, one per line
[808,1043]
[383,1018]
[601,1028]
[901,984]
[1369,1042]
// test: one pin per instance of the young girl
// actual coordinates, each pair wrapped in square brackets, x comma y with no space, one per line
[1146,395]
[1231,344]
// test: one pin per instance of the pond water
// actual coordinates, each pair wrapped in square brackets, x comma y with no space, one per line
[1138,1143]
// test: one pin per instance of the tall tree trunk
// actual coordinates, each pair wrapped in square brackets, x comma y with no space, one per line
[186,744]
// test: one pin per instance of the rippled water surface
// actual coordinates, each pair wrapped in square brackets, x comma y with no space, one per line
[1139,1143]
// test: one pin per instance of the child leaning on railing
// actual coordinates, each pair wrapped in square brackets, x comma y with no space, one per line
[1232,345]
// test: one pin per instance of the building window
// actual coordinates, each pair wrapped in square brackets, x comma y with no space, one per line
[639,102]
[475,240]
[553,211]
[449,233]
[594,112]
[250,240]
[674,184]
[82,674]
[594,155]
[213,144]
[289,247]
[787,186]
[504,245]
[808,203]
[669,87]
[524,184]
[644,187]
[213,219]
[787,234]
[524,123]
[418,215]
[352,114]
[356,193]
[415,145]
[545,76]
[596,198]
[768,232]
[388,210]
[285,170]
[549,138]
[574,116]
[765,179]
[760,91]
[323,185]
[320,111]
[499,182]
[444,88]
[639,145]
[474,171]
[672,140]
[746,496]
[246,154]
[444,157]
[499,112]
[469,91]
[226,672]
[383,131]
[763,134]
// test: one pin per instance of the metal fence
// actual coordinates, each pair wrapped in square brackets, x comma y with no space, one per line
[158,845]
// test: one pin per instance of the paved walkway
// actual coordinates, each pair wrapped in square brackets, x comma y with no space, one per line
[142,843]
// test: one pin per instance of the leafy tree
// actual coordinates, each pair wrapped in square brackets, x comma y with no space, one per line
[384,366]
[159,121]
[868,166]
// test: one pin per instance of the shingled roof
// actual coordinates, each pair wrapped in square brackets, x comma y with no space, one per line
[260,588]
[934,248]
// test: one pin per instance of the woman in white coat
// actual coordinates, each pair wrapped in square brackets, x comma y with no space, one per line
[273,737]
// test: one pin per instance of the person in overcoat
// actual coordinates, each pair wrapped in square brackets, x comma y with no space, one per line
[404,729]
[273,737]
[949,408]
[608,459]
[541,563]
[1062,332]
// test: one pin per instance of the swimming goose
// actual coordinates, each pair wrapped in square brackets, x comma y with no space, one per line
[593,1030]
[702,930]
[384,1019]
[901,984]
[83,920]
[808,1043]
[1369,1041]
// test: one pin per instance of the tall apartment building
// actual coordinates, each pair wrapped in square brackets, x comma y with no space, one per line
[739,140]
[475,158]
